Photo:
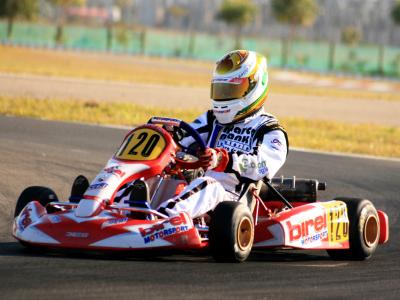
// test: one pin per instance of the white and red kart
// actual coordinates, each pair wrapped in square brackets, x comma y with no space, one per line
[283,213]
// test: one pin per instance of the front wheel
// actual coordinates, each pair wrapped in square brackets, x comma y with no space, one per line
[34,193]
[231,232]
[364,230]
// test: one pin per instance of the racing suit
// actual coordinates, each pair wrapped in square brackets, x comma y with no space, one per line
[257,148]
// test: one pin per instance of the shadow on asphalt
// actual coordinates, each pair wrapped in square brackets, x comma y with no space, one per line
[14,249]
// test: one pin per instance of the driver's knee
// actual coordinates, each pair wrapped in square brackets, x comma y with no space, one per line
[200,196]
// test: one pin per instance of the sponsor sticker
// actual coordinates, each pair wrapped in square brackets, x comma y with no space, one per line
[74,234]
[236,139]
[218,80]
[169,227]
[237,80]
[115,170]
[276,144]
[166,121]
[308,231]
[244,72]
[25,218]
[54,219]
[338,223]
[223,111]
[247,166]
[114,222]
[98,186]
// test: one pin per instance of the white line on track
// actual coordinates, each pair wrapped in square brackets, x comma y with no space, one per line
[319,265]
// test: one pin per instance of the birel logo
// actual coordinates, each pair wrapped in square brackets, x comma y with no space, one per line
[303,230]
[158,231]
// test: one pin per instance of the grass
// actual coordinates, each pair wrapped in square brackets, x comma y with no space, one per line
[312,134]
[128,114]
[147,70]
[369,139]
[329,92]
[102,66]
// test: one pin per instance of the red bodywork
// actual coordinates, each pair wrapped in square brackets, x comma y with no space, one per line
[96,223]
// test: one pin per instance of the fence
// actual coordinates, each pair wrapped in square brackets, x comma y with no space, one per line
[315,56]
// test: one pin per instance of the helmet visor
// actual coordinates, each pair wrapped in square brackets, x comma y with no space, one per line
[234,89]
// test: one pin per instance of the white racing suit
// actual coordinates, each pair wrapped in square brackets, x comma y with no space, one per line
[257,148]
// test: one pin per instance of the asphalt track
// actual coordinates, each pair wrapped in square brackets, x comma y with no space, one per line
[48,153]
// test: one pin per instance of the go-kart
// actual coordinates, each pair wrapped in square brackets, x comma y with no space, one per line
[282,213]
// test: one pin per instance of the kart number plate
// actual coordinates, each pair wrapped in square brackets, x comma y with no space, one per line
[338,224]
[142,144]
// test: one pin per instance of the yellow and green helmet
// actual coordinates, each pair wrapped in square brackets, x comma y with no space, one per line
[239,86]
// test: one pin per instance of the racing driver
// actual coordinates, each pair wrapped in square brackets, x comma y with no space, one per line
[244,143]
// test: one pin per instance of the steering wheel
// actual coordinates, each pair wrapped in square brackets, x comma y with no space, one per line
[190,132]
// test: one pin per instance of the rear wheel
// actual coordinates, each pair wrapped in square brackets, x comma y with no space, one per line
[231,232]
[34,193]
[363,230]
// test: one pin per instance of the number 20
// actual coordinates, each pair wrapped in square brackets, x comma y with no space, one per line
[149,146]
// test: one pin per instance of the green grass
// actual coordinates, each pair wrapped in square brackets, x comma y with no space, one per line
[369,139]
[128,114]
[104,67]
[312,134]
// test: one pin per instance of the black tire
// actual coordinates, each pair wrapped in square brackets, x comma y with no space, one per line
[79,187]
[364,230]
[39,193]
[231,232]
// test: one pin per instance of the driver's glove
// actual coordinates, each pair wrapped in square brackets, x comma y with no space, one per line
[215,159]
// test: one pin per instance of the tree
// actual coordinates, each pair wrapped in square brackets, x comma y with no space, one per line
[61,6]
[351,36]
[238,13]
[182,13]
[294,13]
[122,36]
[122,33]
[395,14]
[178,11]
[11,9]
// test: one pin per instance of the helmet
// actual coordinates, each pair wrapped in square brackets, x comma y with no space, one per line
[239,86]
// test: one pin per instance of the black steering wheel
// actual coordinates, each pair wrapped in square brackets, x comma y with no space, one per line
[190,132]
[181,125]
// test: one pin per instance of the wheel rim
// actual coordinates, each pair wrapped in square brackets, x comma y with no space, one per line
[245,234]
[371,231]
